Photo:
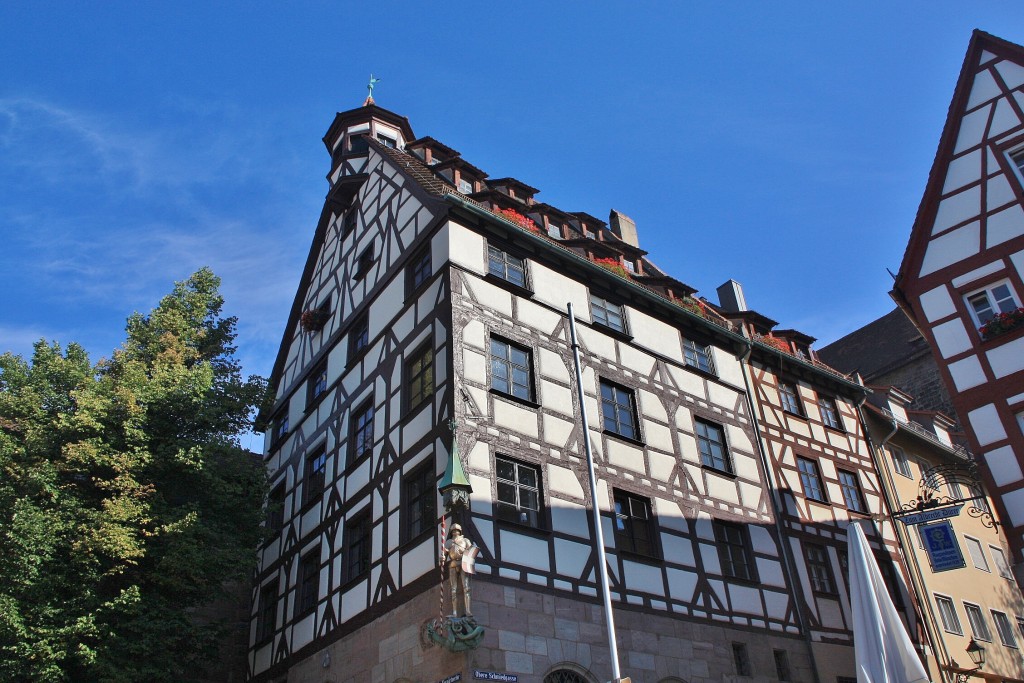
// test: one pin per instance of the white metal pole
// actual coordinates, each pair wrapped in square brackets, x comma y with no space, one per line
[606,592]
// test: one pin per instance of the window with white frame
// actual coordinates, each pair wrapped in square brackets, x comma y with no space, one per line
[607,314]
[1020,420]
[900,462]
[790,398]
[947,612]
[999,560]
[984,304]
[979,627]
[1017,158]
[1004,628]
[503,265]
[518,486]
[977,553]
[697,356]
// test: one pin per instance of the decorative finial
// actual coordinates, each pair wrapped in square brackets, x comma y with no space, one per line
[369,88]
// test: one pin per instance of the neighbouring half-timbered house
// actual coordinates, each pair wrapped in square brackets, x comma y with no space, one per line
[823,478]
[962,276]
[435,296]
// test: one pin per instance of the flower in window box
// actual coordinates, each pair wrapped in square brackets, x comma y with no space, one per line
[612,265]
[519,219]
[695,306]
[775,343]
[1002,323]
[314,320]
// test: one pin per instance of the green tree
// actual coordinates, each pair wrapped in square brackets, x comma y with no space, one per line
[126,501]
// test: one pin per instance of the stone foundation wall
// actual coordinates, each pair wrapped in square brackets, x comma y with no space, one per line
[531,632]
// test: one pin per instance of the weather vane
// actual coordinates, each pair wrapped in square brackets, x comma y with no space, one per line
[369,89]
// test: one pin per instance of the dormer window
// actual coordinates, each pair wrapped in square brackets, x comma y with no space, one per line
[465,186]
[386,141]
[629,264]
[554,230]
[358,144]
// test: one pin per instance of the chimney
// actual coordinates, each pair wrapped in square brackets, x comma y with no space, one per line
[730,296]
[624,227]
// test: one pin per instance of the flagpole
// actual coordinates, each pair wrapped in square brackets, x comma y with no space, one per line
[598,532]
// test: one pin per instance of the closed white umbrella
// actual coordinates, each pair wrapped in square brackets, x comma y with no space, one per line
[883,649]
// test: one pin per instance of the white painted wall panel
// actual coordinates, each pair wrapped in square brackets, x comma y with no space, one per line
[1014,502]
[971,276]
[1018,262]
[563,480]
[998,192]
[518,548]
[986,424]
[625,455]
[722,488]
[657,436]
[745,599]
[983,89]
[515,418]
[661,466]
[418,561]
[570,557]
[972,129]
[556,397]
[958,208]
[1007,358]
[1004,466]
[776,604]
[1004,119]
[1012,74]
[466,248]
[951,338]
[770,572]
[557,431]
[570,518]
[643,577]
[952,247]
[1004,226]
[655,335]
[556,290]
[682,584]
[729,369]
[962,171]
[353,601]
[677,550]
[967,373]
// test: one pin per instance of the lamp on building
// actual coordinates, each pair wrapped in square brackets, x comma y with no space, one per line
[977,654]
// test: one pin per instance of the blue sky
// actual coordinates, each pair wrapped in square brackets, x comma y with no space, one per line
[785,145]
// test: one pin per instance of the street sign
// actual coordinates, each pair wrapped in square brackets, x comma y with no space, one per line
[942,546]
[932,515]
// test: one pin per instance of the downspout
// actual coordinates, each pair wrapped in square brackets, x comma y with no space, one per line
[907,543]
[777,503]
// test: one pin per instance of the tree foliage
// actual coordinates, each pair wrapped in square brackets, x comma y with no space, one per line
[126,501]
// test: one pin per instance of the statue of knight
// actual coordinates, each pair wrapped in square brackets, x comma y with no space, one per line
[462,554]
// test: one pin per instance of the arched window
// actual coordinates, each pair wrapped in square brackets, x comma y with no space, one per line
[564,676]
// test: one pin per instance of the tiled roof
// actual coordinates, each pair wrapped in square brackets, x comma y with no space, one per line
[876,348]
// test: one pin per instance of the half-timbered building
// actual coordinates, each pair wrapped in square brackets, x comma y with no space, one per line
[962,276]
[436,298]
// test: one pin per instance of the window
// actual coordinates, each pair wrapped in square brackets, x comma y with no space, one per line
[617,410]
[1020,421]
[386,141]
[900,462]
[564,676]
[888,572]
[634,527]
[511,369]
[979,627]
[420,500]
[358,144]
[465,187]
[734,551]
[986,303]
[266,618]
[810,478]
[947,612]
[554,230]
[275,508]
[279,430]
[829,412]
[999,560]
[850,486]
[309,581]
[782,671]
[518,492]
[711,444]
[1018,160]
[361,443]
[697,356]
[790,398]
[359,337]
[1004,629]
[316,470]
[507,267]
[605,313]
[357,534]
[419,270]
[1020,626]
[741,659]
[316,386]
[977,553]
[364,263]
[819,569]
[348,224]
[419,374]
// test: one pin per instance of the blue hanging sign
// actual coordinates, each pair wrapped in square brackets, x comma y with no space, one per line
[942,546]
